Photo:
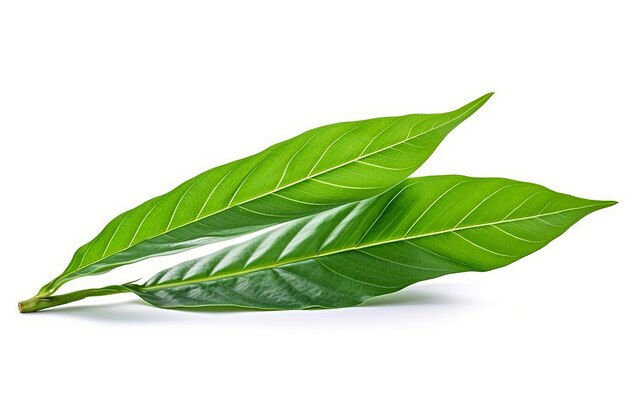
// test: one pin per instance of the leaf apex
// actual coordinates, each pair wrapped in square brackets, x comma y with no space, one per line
[471,107]
[608,203]
[485,97]
[602,204]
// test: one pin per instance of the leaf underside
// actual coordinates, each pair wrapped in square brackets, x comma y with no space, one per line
[421,229]
[313,172]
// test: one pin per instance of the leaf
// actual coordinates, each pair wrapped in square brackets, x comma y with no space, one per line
[315,171]
[421,229]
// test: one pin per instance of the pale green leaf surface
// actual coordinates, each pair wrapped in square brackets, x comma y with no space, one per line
[315,171]
[421,229]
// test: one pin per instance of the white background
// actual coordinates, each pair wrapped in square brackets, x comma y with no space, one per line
[106,104]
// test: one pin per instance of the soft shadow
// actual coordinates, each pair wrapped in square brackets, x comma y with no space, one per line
[138,311]
[133,311]
[411,298]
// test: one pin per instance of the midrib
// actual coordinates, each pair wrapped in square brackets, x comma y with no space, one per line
[358,247]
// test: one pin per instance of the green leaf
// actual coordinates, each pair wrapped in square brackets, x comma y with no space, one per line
[421,229]
[315,171]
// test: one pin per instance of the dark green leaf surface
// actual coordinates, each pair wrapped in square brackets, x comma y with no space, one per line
[315,171]
[421,229]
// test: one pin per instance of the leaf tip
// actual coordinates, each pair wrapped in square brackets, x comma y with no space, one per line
[602,204]
[472,106]
[485,97]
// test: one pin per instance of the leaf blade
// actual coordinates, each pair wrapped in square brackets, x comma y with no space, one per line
[421,229]
[316,170]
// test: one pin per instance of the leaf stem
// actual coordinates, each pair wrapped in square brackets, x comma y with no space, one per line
[40,302]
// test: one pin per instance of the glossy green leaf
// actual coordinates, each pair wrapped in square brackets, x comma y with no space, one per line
[421,229]
[315,171]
